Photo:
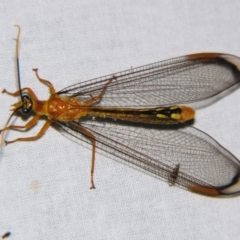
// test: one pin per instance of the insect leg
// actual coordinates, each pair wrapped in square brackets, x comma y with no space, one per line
[93,140]
[39,134]
[49,84]
[17,93]
[99,96]
[28,125]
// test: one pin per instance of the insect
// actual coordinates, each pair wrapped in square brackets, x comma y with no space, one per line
[140,116]
[7,234]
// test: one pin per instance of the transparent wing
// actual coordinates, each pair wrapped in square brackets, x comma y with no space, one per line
[198,159]
[181,80]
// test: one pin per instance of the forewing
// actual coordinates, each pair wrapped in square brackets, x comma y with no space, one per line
[157,151]
[188,79]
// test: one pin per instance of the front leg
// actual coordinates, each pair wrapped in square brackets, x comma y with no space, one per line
[27,126]
[33,138]
[49,84]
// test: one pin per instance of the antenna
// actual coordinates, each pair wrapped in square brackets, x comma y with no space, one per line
[17,62]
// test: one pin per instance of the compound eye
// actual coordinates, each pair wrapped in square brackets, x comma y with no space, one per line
[26,104]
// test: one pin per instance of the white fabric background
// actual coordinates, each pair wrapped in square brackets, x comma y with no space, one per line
[44,185]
